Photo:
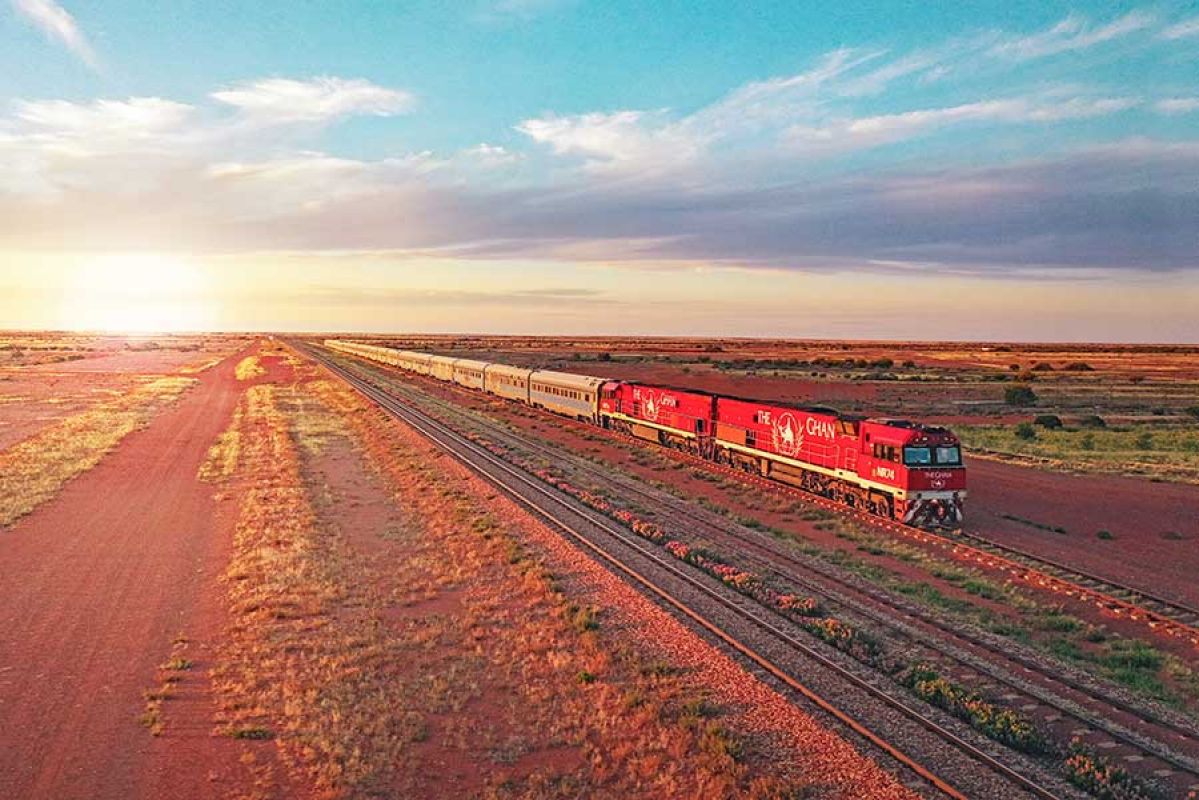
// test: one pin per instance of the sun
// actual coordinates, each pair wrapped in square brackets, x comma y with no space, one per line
[137,293]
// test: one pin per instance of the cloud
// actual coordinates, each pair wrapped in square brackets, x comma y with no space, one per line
[57,23]
[283,100]
[872,131]
[646,142]
[1072,34]
[137,117]
[813,170]
[1182,30]
[1177,105]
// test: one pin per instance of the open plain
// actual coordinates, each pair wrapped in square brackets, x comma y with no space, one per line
[226,572]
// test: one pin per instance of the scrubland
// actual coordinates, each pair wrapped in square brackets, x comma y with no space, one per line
[397,632]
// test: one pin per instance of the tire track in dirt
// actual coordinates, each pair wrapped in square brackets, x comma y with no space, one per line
[94,586]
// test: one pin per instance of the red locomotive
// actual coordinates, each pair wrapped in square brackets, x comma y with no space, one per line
[894,468]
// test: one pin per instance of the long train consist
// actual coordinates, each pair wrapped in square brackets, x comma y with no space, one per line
[898,469]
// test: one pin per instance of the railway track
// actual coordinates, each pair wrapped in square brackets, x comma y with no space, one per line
[1162,615]
[727,618]
[1070,701]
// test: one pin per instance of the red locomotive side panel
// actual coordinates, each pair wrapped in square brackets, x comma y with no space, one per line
[810,436]
[688,413]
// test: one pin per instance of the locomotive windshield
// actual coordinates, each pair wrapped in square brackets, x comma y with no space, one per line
[944,455]
[917,456]
[949,455]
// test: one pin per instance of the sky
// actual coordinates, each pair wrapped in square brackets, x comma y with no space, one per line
[882,170]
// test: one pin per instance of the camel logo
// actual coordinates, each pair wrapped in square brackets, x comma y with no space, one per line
[651,406]
[788,436]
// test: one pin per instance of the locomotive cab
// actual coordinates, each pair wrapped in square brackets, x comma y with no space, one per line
[924,464]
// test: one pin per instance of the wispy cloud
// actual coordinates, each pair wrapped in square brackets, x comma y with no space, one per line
[1071,34]
[282,100]
[1182,30]
[1177,105]
[57,23]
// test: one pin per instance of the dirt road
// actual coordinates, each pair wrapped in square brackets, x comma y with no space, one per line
[94,587]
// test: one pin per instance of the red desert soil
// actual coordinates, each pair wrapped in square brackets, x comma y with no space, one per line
[155,361]
[94,588]
[1155,525]
[30,401]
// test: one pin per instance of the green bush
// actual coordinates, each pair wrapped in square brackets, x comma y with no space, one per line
[1051,421]
[1091,421]
[1026,431]
[1019,396]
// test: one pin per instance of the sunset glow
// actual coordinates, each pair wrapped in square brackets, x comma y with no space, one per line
[779,170]
[136,293]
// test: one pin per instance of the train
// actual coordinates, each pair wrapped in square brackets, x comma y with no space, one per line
[906,471]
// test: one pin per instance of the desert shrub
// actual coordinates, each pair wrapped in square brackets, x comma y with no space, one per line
[883,363]
[1001,724]
[1144,441]
[1019,396]
[1191,411]
[1051,421]
[1106,535]
[1078,366]
[1025,431]
[1137,379]
[1092,421]
[1014,367]
[1042,366]
[909,364]
[1101,778]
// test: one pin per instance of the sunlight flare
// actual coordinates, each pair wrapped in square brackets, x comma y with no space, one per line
[137,293]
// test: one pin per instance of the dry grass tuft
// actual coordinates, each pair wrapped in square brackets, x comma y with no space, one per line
[221,461]
[248,369]
[34,470]
[169,676]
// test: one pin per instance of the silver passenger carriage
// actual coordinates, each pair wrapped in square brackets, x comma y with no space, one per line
[442,367]
[565,393]
[469,373]
[508,381]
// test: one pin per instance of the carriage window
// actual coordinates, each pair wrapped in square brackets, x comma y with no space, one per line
[917,456]
[751,439]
